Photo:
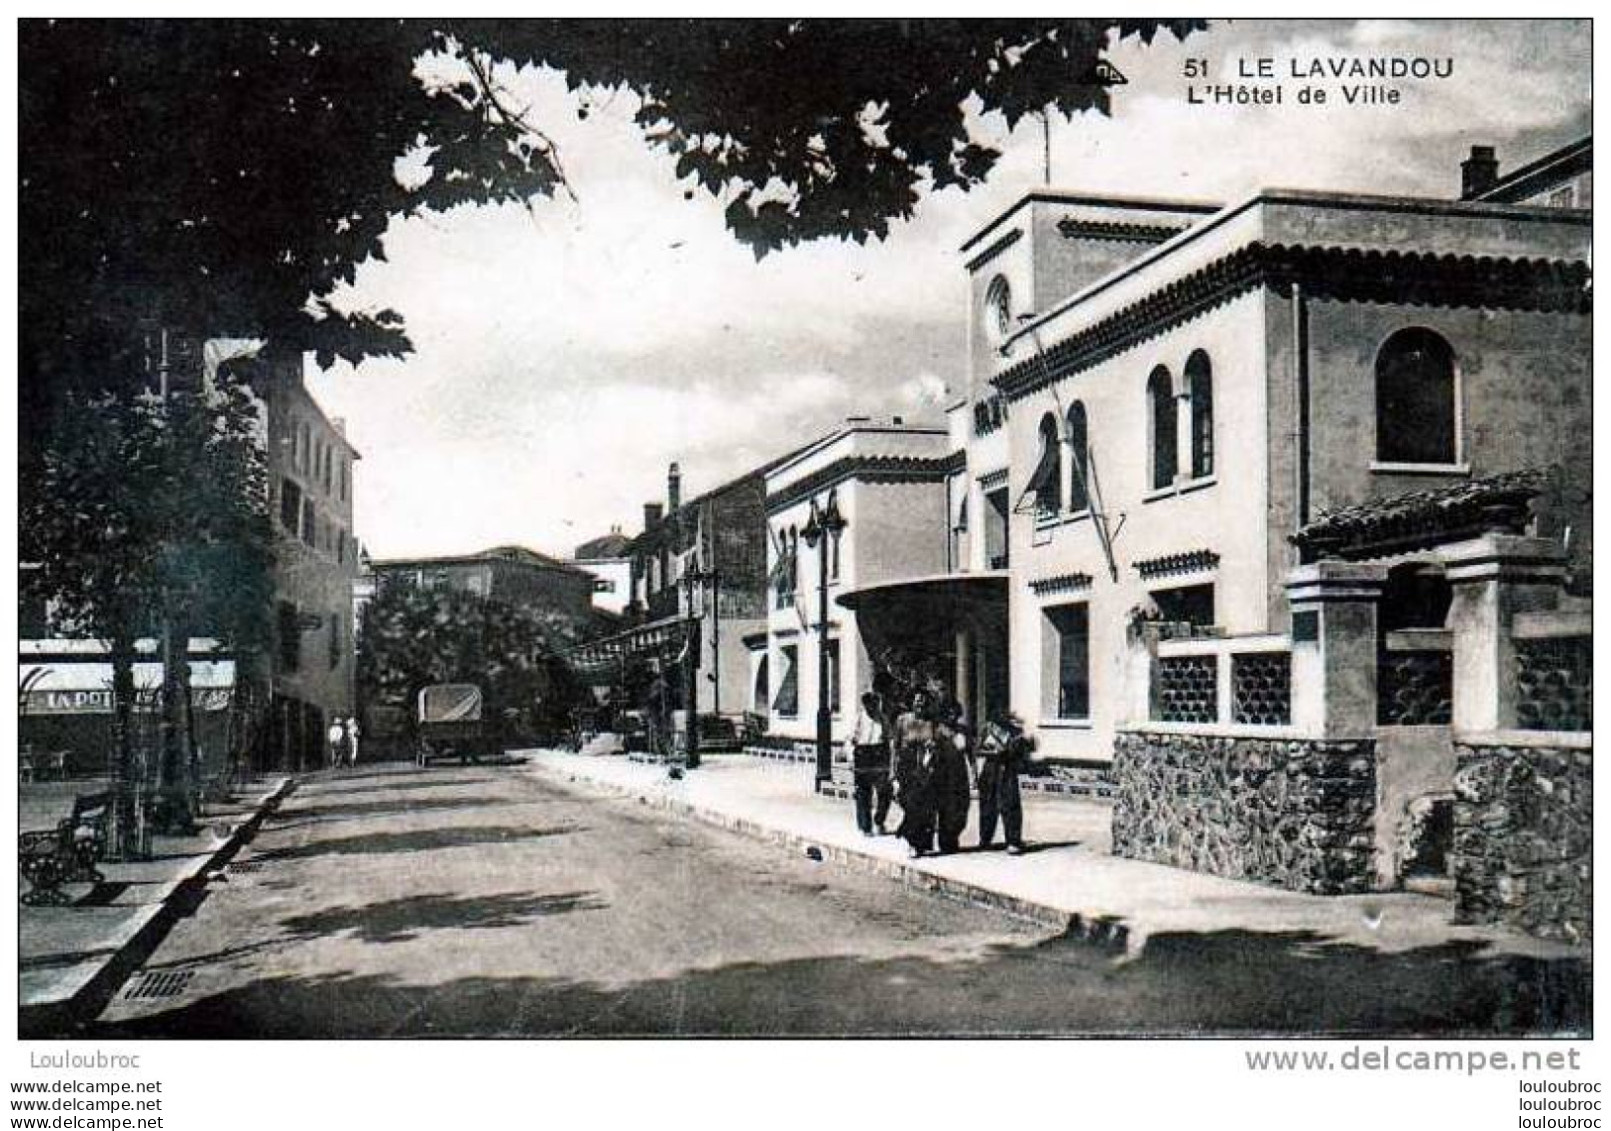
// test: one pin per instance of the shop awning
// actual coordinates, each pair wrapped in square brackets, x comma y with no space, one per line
[73,687]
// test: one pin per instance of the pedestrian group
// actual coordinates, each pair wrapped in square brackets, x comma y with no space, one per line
[342,740]
[922,756]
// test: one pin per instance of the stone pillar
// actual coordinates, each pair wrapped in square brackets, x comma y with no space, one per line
[1141,648]
[1494,577]
[1334,647]
[966,692]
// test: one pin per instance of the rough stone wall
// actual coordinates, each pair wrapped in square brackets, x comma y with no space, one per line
[1523,847]
[1297,814]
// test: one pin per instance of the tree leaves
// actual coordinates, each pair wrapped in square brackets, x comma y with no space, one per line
[149,505]
[232,174]
[412,637]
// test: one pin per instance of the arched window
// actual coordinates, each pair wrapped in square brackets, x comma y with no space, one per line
[1047,482]
[794,560]
[998,309]
[1416,411]
[1161,424]
[1079,461]
[1200,387]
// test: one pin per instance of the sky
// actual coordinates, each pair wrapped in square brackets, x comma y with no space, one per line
[566,353]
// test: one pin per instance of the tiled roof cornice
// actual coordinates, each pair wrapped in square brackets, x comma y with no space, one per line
[1418,519]
[868,469]
[1061,583]
[1344,274]
[995,249]
[1193,561]
[1113,230]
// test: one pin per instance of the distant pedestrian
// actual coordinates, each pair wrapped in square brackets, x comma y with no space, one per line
[337,738]
[1002,750]
[868,746]
[352,740]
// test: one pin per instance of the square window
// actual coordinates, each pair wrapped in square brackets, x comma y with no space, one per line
[1187,604]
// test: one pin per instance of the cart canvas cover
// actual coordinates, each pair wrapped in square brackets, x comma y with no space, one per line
[450,703]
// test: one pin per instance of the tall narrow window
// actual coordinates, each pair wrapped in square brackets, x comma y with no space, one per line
[1079,460]
[1066,662]
[787,702]
[1047,482]
[762,684]
[1161,419]
[1200,387]
[288,629]
[1416,413]
[995,529]
[290,507]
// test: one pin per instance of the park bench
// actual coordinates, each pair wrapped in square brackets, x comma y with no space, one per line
[49,858]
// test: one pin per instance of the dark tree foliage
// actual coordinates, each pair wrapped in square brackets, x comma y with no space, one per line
[412,637]
[228,176]
[151,510]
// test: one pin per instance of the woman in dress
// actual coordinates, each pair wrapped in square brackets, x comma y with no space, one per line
[949,782]
[914,759]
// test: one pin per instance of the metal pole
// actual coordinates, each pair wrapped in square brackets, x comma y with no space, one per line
[691,676]
[824,713]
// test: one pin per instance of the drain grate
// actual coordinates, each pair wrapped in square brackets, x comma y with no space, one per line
[160,983]
[244,867]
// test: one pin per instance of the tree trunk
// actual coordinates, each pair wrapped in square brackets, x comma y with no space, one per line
[174,812]
[123,839]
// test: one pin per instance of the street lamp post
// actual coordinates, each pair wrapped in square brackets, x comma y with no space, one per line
[693,579]
[821,530]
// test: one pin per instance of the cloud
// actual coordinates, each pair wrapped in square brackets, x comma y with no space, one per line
[566,353]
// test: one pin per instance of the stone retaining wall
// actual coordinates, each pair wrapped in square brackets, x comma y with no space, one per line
[1297,814]
[1523,847]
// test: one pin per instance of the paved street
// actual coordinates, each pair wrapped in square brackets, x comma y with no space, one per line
[481,901]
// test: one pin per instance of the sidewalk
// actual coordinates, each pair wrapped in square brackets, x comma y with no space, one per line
[72,959]
[1067,879]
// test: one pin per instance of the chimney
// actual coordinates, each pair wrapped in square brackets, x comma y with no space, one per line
[651,515]
[1479,172]
[673,487]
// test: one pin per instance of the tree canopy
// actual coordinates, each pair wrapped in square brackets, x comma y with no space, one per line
[231,175]
[150,506]
[412,637]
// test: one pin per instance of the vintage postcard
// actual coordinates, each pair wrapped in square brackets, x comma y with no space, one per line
[807,528]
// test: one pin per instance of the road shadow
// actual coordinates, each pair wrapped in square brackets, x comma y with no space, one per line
[1226,983]
[319,790]
[352,810]
[418,840]
[399,920]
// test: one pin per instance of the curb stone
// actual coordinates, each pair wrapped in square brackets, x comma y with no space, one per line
[58,1016]
[1096,930]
